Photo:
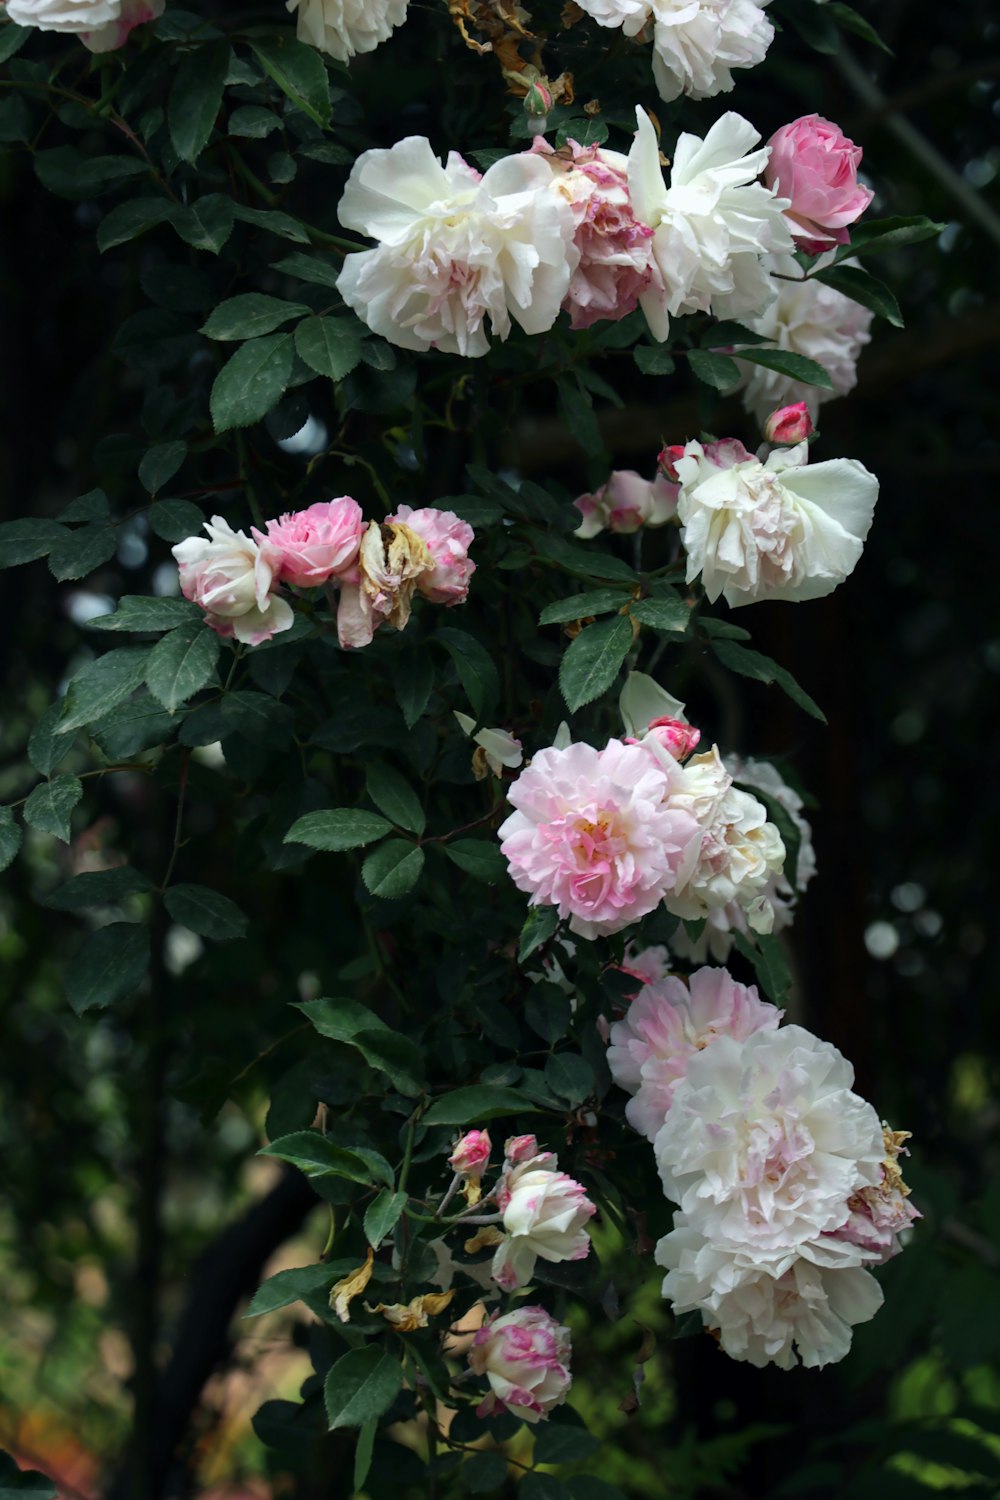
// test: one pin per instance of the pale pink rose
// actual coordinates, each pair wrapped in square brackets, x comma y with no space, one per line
[525,1357]
[789,424]
[670,1022]
[814,164]
[471,1155]
[318,543]
[615,261]
[648,965]
[544,1215]
[110,37]
[518,1149]
[593,836]
[448,540]
[626,502]
[232,578]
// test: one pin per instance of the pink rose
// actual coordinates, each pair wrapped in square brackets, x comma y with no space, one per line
[520,1148]
[814,164]
[471,1155]
[525,1357]
[448,540]
[318,543]
[789,424]
[626,502]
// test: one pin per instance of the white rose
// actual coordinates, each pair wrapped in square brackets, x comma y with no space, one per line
[784,529]
[764,1144]
[713,224]
[525,1357]
[64,15]
[696,43]
[232,579]
[544,1214]
[762,1316]
[455,247]
[345,27]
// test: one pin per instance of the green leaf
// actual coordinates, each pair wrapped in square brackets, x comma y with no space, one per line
[102,684]
[330,346]
[110,965]
[393,869]
[161,464]
[46,746]
[317,1156]
[849,19]
[206,912]
[480,858]
[249,316]
[340,1020]
[577,409]
[382,1215]
[77,553]
[484,1472]
[24,541]
[588,561]
[206,224]
[141,612]
[538,1486]
[885,234]
[769,962]
[363,1451]
[670,614]
[286,1287]
[361,1386]
[654,359]
[862,287]
[795,366]
[254,122]
[132,727]
[49,807]
[547,1011]
[539,926]
[337,829]
[815,26]
[16,1483]
[130,219]
[12,39]
[713,627]
[316,269]
[252,382]
[477,1104]
[413,682]
[196,98]
[182,663]
[394,796]
[562,1444]
[396,1055]
[475,669]
[581,606]
[594,660]
[716,370]
[10,837]
[299,72]
[570,1077]
[98,888]
[274,221]
[724,335]
[762,669]
[174,520]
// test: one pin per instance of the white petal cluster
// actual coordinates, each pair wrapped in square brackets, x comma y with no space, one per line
[783,529]
[783,889]
[807,318]
[713,223]
[343,28]
[455,247]
[102,25]
[739,854]
[772,1156]
[761,1317]
[696,43]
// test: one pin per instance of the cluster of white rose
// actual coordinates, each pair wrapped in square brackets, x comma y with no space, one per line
[102,25]
[788,1185]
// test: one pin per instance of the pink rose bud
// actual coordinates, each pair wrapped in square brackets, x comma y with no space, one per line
[789,424]
[814,164]
[520,1148]
[448,540]
[667,459]
[676,737]
[525,1356]
[316,544]
[472,1154]
[538,100]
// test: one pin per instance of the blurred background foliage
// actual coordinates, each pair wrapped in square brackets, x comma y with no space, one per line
[110,1228]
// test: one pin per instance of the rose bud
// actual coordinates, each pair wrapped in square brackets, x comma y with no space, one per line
[789,424]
